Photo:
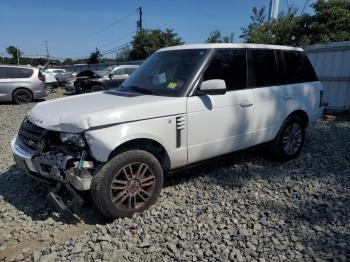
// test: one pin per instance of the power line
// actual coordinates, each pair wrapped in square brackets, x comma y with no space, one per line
[121,38]
[108,26]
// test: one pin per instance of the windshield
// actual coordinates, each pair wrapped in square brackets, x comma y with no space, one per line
[166,73]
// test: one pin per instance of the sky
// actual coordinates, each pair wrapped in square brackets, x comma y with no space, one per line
[74,28]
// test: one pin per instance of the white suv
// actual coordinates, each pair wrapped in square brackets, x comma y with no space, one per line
[185,104]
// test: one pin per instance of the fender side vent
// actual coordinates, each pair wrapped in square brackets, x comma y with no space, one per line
[180,130]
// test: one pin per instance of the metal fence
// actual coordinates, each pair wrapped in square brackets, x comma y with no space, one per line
[332,64]
[96,67]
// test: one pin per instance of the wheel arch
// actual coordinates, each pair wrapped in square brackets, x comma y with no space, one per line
[147,144]
[21,87]
[303,116]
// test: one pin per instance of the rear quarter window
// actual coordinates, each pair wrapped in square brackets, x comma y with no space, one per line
[20,72]
[298,67]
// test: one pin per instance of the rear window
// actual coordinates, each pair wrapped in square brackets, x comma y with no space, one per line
[20,72]
[299,68]
[3,72]
[265,66]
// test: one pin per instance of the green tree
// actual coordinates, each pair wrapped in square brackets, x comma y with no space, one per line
[95,57]
[257,19]
[147,41]
[215,37]
[123,54]
[68,61]
[15,52]
[330,22]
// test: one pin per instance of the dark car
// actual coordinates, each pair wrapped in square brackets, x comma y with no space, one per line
[110,77]
[64,78]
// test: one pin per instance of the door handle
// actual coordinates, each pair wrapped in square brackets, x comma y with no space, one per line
[246,104]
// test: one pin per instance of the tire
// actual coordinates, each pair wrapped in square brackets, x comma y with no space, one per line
[96,88]
[117,189]
[292,131]
[22,96]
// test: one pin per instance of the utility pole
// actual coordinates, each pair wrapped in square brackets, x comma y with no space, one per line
[139,22]
[273,12]
[17,56]
[47,50]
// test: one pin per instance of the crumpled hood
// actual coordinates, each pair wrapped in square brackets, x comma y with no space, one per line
[81,112]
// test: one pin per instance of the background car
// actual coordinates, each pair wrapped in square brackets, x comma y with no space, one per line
[64,78]
[55,71]
[21,84]
[110,77]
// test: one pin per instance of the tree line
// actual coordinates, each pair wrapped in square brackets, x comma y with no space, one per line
[329,23]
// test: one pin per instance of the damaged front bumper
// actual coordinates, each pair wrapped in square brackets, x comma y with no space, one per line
[53,167]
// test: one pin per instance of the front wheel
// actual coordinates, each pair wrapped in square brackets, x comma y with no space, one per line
[129,183]
[96,88]
[290,139]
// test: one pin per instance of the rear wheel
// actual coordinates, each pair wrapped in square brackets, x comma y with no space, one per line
[22,96]
[290,139]
[129,183]
[96,88]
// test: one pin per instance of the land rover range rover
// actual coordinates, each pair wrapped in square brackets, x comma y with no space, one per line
[185,104]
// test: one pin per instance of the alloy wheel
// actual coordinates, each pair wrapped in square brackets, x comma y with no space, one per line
[132,186]
[292,139]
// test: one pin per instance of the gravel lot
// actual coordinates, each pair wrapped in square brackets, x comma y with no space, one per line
[243,207]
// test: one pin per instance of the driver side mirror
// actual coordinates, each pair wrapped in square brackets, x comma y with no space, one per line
[110,76]
[212,87]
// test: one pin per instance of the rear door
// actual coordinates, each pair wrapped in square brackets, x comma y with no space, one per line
[273,98]
[219,124]
[6,85]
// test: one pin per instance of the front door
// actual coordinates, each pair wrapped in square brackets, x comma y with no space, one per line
[219,124]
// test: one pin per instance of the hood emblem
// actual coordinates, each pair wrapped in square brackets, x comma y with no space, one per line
[35,120]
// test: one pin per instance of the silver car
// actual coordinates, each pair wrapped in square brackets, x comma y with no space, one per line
[21,84]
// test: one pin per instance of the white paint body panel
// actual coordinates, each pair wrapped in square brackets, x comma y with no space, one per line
[78,113]
[274,103]
[219,124]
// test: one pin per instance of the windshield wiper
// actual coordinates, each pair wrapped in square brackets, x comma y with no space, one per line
[139,89]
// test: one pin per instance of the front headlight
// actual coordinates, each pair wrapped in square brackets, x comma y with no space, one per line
[73,139]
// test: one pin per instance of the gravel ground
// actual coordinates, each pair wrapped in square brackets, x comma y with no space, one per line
[243,207]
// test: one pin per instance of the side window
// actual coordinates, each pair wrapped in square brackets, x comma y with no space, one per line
[229,65]
[119,71]
[130,70]
[282,72]
[299,68]
[20,72]
[3,73]
[265,66]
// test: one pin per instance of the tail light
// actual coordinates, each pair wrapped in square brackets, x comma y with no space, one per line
[41,76]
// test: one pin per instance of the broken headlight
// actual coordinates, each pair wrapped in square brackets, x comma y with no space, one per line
[73,139]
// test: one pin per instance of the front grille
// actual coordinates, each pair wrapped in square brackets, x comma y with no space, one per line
[30,134]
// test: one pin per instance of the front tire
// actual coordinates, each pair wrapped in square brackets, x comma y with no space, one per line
[129,183]
[290,139]
[96,88]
